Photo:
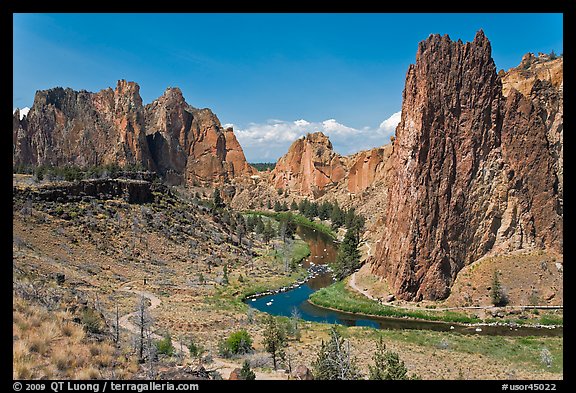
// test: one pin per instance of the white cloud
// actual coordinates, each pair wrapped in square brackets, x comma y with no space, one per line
[389,125]
[23,112]
[270,140]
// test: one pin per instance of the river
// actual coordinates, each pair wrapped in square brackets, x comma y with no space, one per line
[322,251]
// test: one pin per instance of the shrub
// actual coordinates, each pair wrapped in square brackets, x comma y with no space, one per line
[195,349]
[246,373]
[165,346]
[91,321]
[238,342]
[499,295]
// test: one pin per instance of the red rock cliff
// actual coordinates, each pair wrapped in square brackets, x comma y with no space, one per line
[189,144]
[310,167]
[470,172]
[65,126]
[182,143]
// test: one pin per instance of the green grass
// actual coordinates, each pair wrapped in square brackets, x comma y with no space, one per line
[298,219]
[298,250]
[338,297]
[525,351]
[549,319]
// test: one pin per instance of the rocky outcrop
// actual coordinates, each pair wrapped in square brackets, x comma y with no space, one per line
[541,79]
[310,167]
[182,143]
[365,167]
[189,145]
[132,191]
[532,69]
[69,127]
[470,172]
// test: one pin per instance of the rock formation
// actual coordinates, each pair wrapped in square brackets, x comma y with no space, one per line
[470,172]
[181,143]
[190,144]
[69,127]
[310,167]
[365,167]
[541,79]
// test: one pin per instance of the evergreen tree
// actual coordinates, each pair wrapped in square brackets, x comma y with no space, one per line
[324,210]
[250,223]
[217,199]
[348,257]
[225,275]
[277,206]
[337,217]
[269,232]
[293,206]
[287,227]
[499,296]
[285,207]
[349,217]
[274,340]
[259,225]
[334,360]
[387,365]
[269,204]
[303,206]
[246,373]
[312,210]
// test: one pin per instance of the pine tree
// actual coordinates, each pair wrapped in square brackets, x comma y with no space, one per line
[259,225]
[337,217]
[499,296]
[225,275]
[268,232]
[293,206]
[217,199]
[348,257]
[277,206]
[274,340]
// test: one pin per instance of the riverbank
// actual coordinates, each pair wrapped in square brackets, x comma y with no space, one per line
[298,219]
[340,298]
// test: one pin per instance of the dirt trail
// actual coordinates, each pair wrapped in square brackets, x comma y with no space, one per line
[352,284]
[222,366]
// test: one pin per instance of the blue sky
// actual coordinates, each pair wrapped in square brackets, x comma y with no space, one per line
[272,76]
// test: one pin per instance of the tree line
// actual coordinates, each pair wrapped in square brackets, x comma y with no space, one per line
[72,172]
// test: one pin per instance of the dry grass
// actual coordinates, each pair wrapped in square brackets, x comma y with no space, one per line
[50,345]
[88,373]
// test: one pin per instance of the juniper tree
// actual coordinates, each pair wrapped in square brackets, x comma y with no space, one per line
[246,373]
[274,340]
[387,365]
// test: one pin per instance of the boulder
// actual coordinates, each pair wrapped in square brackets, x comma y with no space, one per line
[303,373]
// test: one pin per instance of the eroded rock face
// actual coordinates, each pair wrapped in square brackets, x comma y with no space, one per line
[365,167]
[470,172]
[310,167]
[542,80]
[65,126]
[189,145]
[180,142]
